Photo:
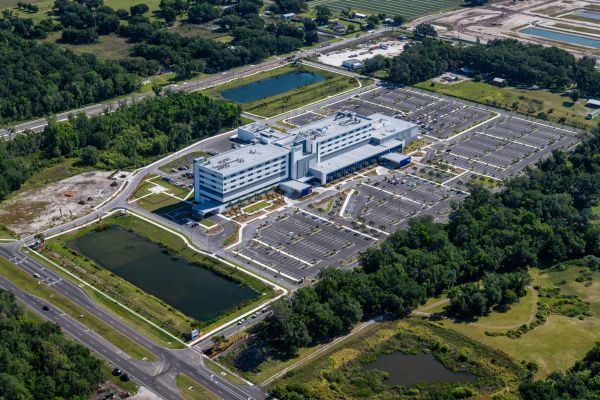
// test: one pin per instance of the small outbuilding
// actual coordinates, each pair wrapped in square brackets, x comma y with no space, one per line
[593,103]
[352,63]
[288,16]
[499,82]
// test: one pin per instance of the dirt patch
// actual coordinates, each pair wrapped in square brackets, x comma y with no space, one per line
[36,209]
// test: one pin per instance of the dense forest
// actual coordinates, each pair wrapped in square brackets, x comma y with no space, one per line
[541,218]
[580,382]
[519,62]
[36,79]
[128,137]
[41,79]
[38,362]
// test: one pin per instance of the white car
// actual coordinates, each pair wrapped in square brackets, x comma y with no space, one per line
[242,321]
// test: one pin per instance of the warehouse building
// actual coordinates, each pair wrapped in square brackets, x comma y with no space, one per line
[316,153]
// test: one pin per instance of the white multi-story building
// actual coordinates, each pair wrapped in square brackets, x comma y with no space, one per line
[318,152]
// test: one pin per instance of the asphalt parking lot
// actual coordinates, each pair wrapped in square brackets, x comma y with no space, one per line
[502,148]
[300,243]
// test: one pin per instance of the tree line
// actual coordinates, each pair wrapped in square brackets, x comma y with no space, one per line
[481,256]
[518,62]
[38,362]
[128,137]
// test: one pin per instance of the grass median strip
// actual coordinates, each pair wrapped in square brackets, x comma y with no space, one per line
[29,284]
[192,390]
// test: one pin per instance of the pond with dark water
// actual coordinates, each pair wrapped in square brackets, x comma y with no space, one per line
[192,289]
[271,86]
[411,369]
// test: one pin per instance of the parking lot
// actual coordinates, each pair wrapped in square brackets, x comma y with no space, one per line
[435,116]
[503,147]
[386,203]
[300,243]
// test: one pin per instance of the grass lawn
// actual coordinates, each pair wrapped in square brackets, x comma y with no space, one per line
[5,233]
[112,47]
[323,205]
[255,207]
[217,369]
[29,284]
[207,223]
[530,102]
[192,390]
[283,102]
[152,307]
[545,345]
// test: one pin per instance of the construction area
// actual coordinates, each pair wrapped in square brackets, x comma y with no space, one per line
[573,25]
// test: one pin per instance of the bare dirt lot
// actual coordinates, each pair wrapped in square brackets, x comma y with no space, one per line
[36,209]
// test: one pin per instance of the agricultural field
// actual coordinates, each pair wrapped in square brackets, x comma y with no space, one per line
[407,8]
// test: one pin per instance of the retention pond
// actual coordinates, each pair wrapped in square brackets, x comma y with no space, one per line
[411,369]
[194,290]
[271,86]
[562,37]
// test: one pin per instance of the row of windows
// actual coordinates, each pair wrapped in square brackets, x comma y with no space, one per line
[253,179]
[345,134]
[257,166]
[251,173]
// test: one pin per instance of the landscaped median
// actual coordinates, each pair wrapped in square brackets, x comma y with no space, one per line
[157,275]
[29,284]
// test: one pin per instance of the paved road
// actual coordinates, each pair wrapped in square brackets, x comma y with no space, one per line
[158,376]
[189,86]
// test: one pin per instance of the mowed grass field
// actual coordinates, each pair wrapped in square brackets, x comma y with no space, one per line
[546,344]
[409,9]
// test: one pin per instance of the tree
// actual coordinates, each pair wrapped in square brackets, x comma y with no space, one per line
[424,30]
[89,155]
[574,95]
[323,13]
[202,13]
[139,9]
[399,20]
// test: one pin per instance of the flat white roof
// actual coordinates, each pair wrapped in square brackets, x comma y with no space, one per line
[237,160]
[348,158]
[337,124]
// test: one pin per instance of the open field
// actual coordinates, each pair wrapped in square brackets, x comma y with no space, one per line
[191,390]
[110,46]
[150,306]
[545,344]
[292,99]
[31,285]
[407,8]
[556,107]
